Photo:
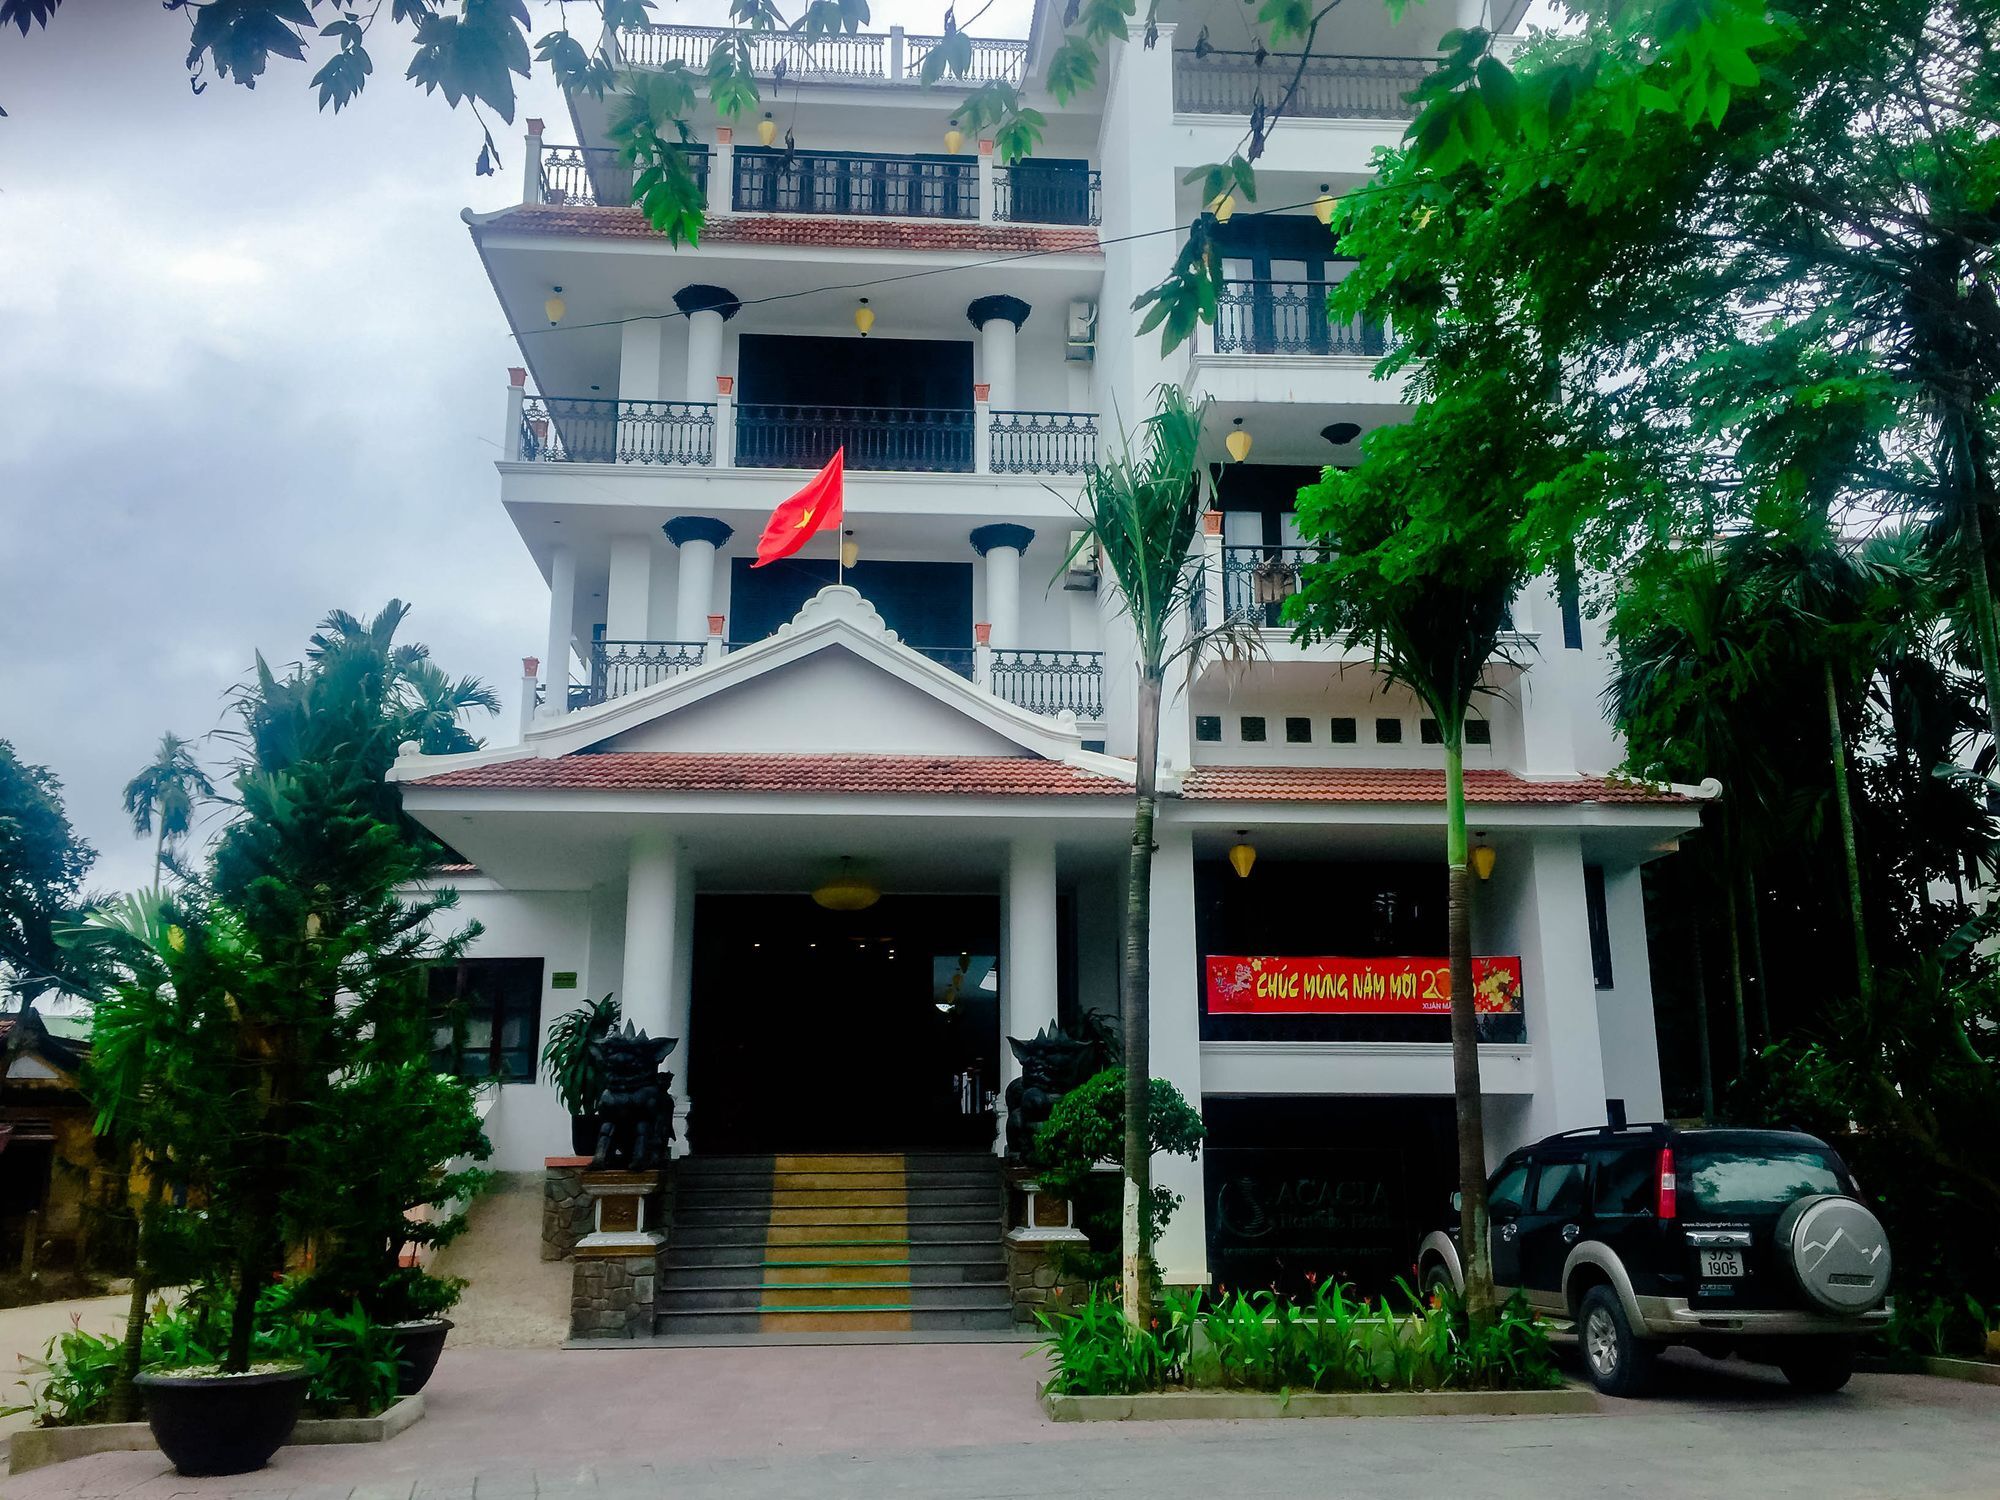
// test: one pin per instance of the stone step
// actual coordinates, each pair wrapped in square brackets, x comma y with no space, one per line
[727,1322]
[764,1166]
[755,1250]
[784,1296]
[693,1200]
[851,1215]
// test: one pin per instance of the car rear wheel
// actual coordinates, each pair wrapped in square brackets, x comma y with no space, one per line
[1438,1282]
[1819,1365]
[1619,1362]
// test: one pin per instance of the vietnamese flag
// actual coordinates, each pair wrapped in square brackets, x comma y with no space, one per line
[817,507]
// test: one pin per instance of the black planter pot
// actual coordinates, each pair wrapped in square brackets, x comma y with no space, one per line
[418,1345]
[222,1424]
[583,1134]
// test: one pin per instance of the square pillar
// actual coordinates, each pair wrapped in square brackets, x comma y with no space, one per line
[721,170]
[1028,960]
[1175,1016]
[1560,990]
[562,620]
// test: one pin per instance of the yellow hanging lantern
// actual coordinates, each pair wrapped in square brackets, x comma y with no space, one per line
[850,551]
[1238,442]
[1223,206]
[554,308]
[1242,857]
[1323,205]
[1482,861]
[846,891]
[767,130]
[864,317]
[954,138]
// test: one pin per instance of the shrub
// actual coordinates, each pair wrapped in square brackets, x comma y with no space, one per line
[1087,1126]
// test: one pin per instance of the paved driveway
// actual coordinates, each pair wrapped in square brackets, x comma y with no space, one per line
[957,1422]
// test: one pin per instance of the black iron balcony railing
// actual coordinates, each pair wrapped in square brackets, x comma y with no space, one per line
[853,58]
[621,667]
[1029,194]
[1330,88]
[934,440]
[598,174]
[1043,442]
[1287,317]
[1047,682]
[952,658]
[587,430]
[1256,581]
[833,182]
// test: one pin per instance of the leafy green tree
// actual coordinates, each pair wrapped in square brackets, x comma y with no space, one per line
[161,799]
[1141,512]
[43,863]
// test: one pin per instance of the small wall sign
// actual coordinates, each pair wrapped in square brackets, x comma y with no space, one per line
[563,979]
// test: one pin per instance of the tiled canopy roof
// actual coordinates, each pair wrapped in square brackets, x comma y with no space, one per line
[807,230]
[906,775]
[1010,776]
[1345,784]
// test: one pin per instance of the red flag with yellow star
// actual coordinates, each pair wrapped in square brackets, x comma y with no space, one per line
[817,507]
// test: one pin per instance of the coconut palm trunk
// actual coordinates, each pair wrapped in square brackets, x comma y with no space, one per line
[1465,1039]
[1135,1018]
[1864,973]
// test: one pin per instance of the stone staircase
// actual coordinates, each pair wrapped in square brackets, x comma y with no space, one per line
[834,1244]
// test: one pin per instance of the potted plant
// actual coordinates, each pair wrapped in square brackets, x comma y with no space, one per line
[412,1306]
[210,1419]
[574,1069]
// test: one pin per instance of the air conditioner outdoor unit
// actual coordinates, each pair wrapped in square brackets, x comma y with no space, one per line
[1081,344]
[1081,578]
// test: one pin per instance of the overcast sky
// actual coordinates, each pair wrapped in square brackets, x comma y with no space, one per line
[250,370]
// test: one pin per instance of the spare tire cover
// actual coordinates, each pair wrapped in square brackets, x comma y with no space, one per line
[1838,1253]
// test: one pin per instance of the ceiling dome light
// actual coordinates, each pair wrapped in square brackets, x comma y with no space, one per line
[554,307]
[1340,434]
[1238,442]
[847,891]
[767,129]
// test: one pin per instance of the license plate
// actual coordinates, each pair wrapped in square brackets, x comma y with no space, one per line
[1722,1262]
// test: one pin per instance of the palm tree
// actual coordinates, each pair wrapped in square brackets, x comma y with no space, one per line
[161,799]
[1141,510]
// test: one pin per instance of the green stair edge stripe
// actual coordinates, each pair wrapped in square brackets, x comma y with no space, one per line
[837,1307]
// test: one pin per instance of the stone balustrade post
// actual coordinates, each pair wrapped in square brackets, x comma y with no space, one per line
[517,394]
[531,165]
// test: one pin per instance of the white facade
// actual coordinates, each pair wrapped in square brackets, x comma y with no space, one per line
[738,735]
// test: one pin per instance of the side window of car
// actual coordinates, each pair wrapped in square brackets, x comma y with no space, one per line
[1509,1192]
[1625,1184]
[1559,1189]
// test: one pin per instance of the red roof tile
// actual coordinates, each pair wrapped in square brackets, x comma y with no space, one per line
[907,775]
[1361,784]
[809,231]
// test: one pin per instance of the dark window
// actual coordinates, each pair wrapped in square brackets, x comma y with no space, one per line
[1208,727]
[1570,601]
[1599,916]
[1253,729]
[1559,1188]
[1478,732]
[487,1018]
[1428,731]
[1388,731]
[1298,731]
[1754,1178]
[1341,732]
[1625,1182]
[1509,1192]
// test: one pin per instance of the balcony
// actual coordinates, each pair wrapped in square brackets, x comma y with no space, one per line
[1331,88]
[1288,317]
[585,430]
[1032,193]
[835,182]
[1043,442]
[894,57]
[596,174]
[1256,582]
[1042,682]
[905,440]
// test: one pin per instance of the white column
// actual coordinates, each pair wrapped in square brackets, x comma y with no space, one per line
[721,170]
[562,622]
[1175,1019]
[697,537]
[517,394]
[530,674]
[896,54]
[1559,989]
[996,361]
[1001,546]
[704,353]
[986,182]
[628,597]
[725,422]
[1028,976]
[651,999]
[1548,737]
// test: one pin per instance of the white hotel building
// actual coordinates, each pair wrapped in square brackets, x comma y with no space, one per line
[954,726]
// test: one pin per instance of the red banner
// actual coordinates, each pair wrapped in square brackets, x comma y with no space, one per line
[1356,986]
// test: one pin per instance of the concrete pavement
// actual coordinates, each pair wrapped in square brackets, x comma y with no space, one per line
[958,1422]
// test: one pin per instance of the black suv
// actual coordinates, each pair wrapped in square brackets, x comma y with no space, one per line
[1745,1241]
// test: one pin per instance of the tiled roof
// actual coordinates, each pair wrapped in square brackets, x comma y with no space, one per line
[907,775]
[1358,784]
[830,232]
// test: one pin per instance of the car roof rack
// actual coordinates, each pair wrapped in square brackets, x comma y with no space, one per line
[1610,1132]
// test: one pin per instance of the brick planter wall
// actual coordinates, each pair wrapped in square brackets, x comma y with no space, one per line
[611,1296]
[1035,1282]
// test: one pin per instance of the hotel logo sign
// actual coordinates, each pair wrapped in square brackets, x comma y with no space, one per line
[1355,986]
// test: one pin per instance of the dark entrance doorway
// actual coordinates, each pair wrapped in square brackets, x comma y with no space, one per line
[927,604]
[813,1030]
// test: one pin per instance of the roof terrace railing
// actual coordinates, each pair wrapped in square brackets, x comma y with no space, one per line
[1332,87]
[866,58]
[598,174]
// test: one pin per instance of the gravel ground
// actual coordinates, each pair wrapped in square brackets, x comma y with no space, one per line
[515,1300]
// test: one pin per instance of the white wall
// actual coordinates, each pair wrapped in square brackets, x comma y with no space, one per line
[1625,1023]
[1355,693]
